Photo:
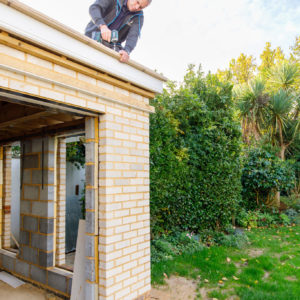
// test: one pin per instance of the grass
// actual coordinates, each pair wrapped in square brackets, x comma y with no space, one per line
[268,268]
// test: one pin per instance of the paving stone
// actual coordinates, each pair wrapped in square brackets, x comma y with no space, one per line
[46,226]
[22,268]
[30,223]
[45,259]
[39,275]
[57,281]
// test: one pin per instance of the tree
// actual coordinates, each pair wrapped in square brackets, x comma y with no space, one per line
[284,75]
[295,55]
[242,68]
[252,101]
[269,58]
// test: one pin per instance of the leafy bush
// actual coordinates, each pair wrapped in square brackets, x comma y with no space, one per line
[263,175]
[254,219]
[195,146]
[167,247]
[285,220]
[293,215]
[236,239]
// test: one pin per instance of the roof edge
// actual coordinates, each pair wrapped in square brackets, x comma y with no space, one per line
[27,10]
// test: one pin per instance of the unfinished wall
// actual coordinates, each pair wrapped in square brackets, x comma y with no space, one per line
[37,202]
[117,199]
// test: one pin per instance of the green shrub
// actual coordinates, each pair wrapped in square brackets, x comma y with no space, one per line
[167,247]
[263,175]
[195,146]
[293,215]
[285,220]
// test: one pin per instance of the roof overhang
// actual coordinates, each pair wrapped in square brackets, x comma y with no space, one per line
[32,26]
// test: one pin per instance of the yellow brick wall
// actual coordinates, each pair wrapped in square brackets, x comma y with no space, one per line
[60,257]
[6,204]
[123,185]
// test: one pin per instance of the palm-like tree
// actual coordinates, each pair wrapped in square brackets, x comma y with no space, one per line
[285,75]
[252,102]
[282,124]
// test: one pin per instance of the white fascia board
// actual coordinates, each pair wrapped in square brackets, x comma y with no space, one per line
[33,30]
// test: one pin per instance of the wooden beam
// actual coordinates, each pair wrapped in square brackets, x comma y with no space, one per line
[24,119]
[62,61]
[50,130]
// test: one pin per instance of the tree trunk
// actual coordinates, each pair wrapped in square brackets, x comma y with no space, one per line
[277,199]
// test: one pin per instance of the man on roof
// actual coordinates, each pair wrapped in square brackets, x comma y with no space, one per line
[125,16]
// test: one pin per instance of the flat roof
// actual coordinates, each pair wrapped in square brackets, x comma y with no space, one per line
[33,26]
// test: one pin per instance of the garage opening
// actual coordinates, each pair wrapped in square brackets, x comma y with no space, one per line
[43,187]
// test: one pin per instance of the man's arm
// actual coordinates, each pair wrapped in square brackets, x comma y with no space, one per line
[96,12]
[132,38]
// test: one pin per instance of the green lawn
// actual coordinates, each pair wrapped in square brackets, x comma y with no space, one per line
[268,268]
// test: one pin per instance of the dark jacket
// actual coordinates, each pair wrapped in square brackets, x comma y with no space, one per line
[105,11]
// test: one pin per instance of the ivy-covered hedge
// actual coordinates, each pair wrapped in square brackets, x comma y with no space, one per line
[195,156]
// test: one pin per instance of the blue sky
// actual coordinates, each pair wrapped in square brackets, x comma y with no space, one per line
[207,32]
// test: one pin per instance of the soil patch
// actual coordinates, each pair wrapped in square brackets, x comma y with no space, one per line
[255,252]
[291,278]
[25,292]
[177,288]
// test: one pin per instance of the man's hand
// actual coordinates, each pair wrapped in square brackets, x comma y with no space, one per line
[124,56]
[105,33]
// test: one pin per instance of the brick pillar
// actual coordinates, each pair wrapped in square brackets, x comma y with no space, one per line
[61,203]
[6,205]
[37,202]
[124,220]
[91,202]
[1,192]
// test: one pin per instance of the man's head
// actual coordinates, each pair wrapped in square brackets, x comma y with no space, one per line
[137,5]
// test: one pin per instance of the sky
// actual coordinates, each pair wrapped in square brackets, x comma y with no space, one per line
[177,33]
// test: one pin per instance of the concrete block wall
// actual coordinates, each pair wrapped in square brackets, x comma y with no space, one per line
[6,205]
[91,202]
[37,202]
[60,257]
